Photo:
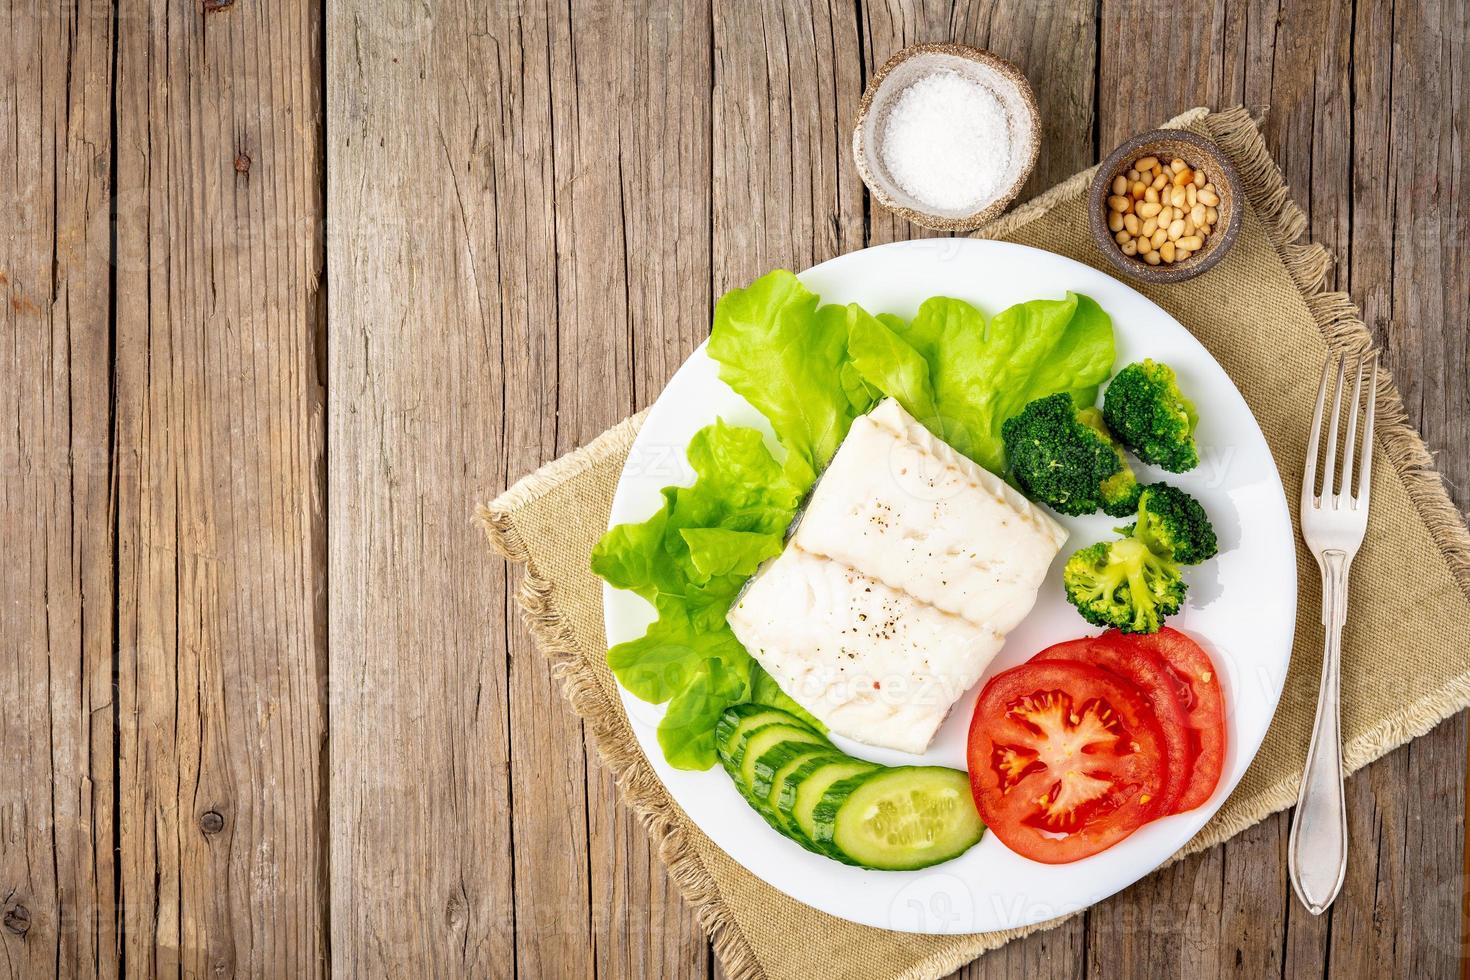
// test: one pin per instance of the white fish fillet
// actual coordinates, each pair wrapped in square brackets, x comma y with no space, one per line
[900,504]
[873,663]
[908,568]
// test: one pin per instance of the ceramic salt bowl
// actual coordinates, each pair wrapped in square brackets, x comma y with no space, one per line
[907,67]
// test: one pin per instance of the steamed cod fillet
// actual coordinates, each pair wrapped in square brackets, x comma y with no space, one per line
[872,662]
[907,569]
[900,504]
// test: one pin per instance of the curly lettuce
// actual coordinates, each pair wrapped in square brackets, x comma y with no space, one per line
[690,559]
[963,377]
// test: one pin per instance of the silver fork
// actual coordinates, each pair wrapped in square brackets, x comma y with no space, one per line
[1333,525]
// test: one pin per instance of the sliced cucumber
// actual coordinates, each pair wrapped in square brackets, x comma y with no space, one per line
[739,721]
[761,741]
[898,819]
[804,788]
[783,757]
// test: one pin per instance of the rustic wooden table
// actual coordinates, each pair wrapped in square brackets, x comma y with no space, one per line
[288,287]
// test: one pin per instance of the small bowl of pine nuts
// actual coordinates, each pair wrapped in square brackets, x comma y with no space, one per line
[1165,206]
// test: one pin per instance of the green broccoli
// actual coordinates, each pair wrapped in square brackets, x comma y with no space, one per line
[1124,584]
[1064,457]
[1173,523]
[1150,415]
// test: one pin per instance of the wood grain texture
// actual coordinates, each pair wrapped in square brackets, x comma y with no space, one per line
[221,527]
[421,790]
[57,890]
[657,89]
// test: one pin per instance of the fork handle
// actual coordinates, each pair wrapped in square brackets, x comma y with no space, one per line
[1317,851]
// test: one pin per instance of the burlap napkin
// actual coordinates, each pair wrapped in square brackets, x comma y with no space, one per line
[1264,316]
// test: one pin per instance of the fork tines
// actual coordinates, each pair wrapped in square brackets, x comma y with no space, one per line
[1366,366]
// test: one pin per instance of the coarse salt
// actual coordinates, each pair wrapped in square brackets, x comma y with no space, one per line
[947,142]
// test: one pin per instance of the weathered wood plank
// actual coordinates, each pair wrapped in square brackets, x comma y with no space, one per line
[421,848]
[57,896]
[787,83]
[632,239]
[221,608]
[1412,201]
[653,82]
[550,908]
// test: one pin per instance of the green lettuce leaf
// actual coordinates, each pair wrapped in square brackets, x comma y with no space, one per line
[788,358]
[963,378]
[687,731]
[894,366]
[690,559]
[718,551]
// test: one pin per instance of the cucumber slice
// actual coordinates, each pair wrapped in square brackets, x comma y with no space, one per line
[899,819]
[803,789]
[739,721]
[783,757]
[761,741]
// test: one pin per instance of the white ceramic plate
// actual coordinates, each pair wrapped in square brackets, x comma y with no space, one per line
[1241,606]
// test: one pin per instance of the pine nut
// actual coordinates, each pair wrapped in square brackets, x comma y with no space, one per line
[1162,210]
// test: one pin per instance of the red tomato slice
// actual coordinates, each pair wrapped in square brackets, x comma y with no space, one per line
[1197,686]
[1065,759]
[1148,672]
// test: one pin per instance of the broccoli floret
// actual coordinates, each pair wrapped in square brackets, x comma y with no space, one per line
[1173,523]
[1065,458]
[1124,584]
[1150,415]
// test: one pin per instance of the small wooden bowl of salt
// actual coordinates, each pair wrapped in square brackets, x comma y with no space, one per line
[946,135]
